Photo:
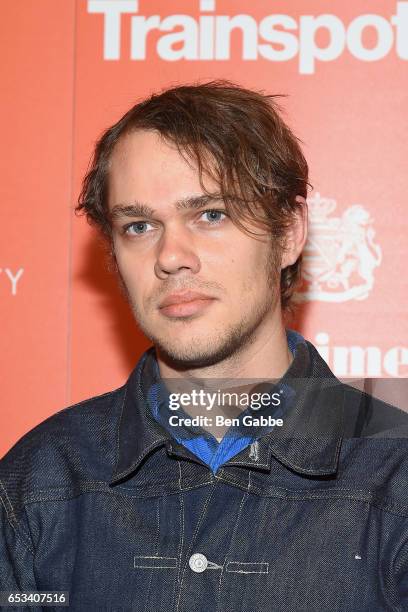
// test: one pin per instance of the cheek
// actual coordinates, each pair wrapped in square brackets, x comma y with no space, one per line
[125,271]
[132,275]
[243,277]
[256,272]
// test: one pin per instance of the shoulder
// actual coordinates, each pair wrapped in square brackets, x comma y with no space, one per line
[74,445]
[364,414]
[69,423]
[368,416]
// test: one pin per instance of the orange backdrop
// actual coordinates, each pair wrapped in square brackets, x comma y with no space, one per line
[70,69]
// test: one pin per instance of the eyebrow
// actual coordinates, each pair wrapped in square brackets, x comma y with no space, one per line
[139,209]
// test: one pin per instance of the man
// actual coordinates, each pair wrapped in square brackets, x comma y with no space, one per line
[148,498]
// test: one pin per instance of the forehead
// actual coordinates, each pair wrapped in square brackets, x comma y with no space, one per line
[145,167]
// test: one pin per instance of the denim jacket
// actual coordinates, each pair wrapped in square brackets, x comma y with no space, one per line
[101,501]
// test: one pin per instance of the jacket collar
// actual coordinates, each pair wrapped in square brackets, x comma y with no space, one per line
[138,433]
[309,443]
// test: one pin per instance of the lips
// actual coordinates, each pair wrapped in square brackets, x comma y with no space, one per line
[185,304]
[182,298]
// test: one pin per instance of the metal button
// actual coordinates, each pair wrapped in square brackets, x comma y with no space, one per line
[198,562]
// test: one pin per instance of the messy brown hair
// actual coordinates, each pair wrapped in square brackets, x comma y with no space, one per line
[234,135]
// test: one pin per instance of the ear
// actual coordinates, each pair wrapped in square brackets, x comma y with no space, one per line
[296,234]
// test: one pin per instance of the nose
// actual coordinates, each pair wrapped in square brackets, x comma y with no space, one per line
[176,252]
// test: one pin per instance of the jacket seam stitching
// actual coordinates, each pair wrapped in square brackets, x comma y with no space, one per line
[14,523]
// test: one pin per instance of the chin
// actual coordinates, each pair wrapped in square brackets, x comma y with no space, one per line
[183,358]
[198,351]
[200,345]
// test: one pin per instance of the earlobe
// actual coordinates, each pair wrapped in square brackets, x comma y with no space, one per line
[296,234]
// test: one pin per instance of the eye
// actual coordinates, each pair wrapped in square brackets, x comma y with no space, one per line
[136,228]
[214,216]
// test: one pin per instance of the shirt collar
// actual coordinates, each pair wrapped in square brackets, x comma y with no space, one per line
[309,443]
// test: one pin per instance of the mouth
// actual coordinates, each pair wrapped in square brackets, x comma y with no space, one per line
[185,304]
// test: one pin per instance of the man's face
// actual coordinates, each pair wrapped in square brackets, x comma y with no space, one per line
[200,288]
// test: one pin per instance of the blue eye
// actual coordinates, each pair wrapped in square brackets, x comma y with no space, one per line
[214,216]
[139,227]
